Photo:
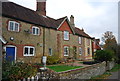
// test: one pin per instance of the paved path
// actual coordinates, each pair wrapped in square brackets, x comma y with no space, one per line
[114,77]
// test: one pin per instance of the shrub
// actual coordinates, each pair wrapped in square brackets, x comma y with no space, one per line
[52,60]
[104,55]
[17,71]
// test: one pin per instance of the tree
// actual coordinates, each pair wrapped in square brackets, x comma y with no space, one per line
[104,55]
[110,41]
[118,53]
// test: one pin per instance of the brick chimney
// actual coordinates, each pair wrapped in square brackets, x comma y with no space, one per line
[41,7]
[72,21]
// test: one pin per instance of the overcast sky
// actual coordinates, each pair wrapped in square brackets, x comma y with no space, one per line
[95,16]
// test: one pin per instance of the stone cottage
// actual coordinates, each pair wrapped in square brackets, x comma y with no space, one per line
[27,35]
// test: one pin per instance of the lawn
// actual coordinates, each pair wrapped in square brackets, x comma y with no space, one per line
[60,68]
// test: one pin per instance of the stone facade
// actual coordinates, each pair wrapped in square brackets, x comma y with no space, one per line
[54,36]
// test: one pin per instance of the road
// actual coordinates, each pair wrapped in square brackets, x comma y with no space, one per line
[114,77]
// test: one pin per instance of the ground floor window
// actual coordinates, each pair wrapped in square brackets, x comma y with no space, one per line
[50,51]
[29,51]
[66,50]
[88,50]
[80,50]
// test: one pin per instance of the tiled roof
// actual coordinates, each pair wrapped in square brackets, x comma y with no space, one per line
[16,11]
[13,10]
[80,32]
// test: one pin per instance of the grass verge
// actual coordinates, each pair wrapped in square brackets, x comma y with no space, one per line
[60,68]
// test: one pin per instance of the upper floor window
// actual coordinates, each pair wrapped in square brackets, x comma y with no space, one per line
[13,26]
[66,50]
[35,30]
[80,40]
[66,35]
[29,51]
[80,50]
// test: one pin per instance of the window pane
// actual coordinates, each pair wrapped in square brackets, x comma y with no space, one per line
[37,31]
[80,40]
[50,51]
[16,27]
[33,30]
[26,51]
[66,51]
[66,35]
[88,50]
[80,50]
[31,51]
[11,26]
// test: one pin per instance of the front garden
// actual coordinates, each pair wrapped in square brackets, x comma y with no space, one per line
[61,68]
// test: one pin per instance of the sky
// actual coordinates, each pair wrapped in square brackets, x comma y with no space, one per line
[94,16]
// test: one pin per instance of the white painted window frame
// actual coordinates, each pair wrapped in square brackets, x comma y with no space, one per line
[80,49]
[14,22]
[66,37]
[29,51]
[80,40]
[67,50]
[35,30]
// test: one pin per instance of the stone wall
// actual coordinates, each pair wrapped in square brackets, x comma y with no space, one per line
[87,72]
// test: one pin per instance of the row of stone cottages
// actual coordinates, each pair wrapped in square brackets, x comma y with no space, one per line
[27,35]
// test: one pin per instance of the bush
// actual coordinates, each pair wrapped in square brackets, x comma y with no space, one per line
[52,60]
[17,71]
[104,55]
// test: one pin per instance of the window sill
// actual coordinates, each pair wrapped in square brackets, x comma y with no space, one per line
[28,55]
[66,55]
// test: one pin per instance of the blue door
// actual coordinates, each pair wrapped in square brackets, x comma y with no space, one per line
[10,53]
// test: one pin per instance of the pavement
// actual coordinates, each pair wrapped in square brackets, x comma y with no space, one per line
[114,77]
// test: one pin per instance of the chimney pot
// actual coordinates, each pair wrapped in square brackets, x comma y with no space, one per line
[72,21]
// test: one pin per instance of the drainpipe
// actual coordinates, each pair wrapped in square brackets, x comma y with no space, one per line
[43,41]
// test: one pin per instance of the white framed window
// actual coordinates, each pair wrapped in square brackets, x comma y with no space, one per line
[66,35]
[35,30]
[80,50]
[50,51]
[13,26]
[29,51]
[66,51]
[80,40]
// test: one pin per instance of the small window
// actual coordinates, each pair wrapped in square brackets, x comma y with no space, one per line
[88,51]
[80,51]
[66,35]
[50,51]
[66,50]
[80,40]
[13,26]
[35,30]
[29,51]
[88,41]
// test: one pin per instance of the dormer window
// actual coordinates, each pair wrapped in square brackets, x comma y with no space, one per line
[35,30]
[66,35]
[13,26]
